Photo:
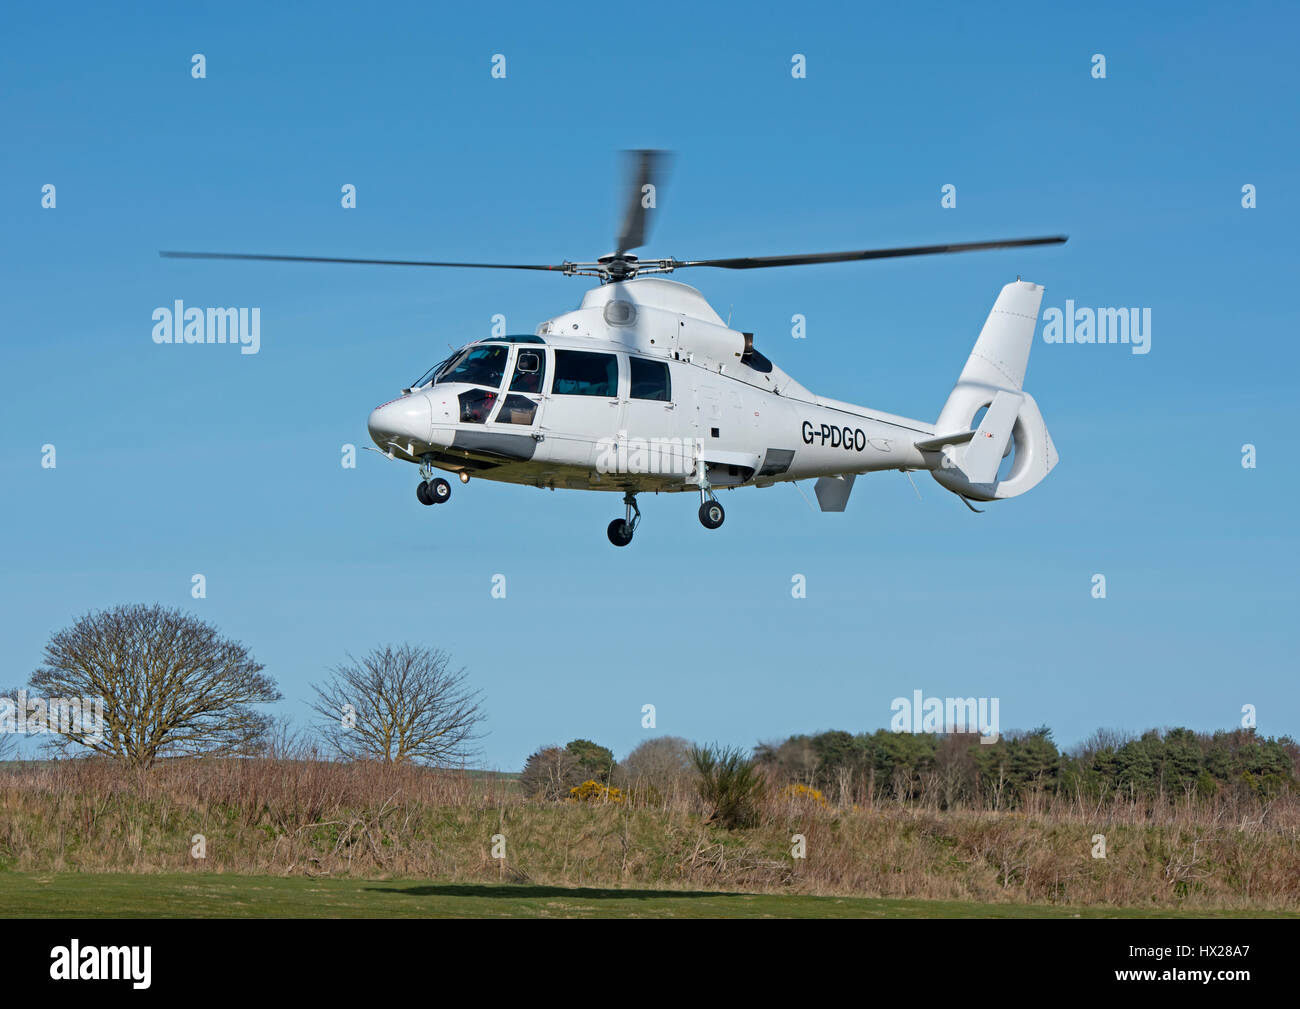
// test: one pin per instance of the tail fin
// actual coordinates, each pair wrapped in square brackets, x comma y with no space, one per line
[994,378]
[1001,353]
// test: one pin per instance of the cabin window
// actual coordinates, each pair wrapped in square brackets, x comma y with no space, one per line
[650,380]
[582,373]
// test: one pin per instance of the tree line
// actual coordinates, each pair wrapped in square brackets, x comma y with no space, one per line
[170,685]
[941,770]
[960,768]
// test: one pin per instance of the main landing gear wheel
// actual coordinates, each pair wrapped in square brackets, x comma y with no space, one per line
[620,530]
[711,514]
[432,492]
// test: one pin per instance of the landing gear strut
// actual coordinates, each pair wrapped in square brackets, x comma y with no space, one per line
[711,513]
[620,530]
[431,490]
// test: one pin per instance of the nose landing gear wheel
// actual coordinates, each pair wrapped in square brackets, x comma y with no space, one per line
[619,532]
[431,492]
[711,515]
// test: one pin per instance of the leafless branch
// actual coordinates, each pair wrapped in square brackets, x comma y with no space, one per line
[399,704]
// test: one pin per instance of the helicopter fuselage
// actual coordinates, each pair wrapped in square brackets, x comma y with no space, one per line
[642,388]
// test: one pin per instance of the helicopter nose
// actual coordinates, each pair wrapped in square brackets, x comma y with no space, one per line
[404,420]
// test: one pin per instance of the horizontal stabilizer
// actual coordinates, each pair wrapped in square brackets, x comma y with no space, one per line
[938,442]
[833,492]
[990,441]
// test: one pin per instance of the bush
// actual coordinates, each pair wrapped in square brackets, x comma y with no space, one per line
[553,772]
[594,791]
[731,785]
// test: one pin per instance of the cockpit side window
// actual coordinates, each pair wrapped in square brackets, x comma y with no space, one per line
[530,370]
[477,366]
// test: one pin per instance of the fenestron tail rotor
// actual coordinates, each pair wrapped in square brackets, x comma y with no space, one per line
[648,172]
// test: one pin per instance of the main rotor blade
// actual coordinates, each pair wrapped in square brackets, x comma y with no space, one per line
[371,262]
[758,262]
[649,169]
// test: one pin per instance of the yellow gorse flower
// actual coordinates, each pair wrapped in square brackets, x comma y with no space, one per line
[594,791]
[803,792]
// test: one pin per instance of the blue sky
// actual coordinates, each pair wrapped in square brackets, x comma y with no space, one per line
[180,460]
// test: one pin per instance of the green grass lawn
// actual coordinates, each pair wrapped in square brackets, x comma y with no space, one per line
[196,895]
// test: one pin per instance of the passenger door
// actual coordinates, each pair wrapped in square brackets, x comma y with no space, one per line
[583,407]
[651,421]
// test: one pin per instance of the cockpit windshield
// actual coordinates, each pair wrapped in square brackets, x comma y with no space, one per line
[474,365]
[427,377]
[480,363]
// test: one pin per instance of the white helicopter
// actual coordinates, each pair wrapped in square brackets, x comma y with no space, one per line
[644,388]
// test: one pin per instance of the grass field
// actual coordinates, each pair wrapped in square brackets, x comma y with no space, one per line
[124,895]
[293,837]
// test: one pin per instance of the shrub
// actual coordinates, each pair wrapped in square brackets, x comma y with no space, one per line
[594,791]
[731,785]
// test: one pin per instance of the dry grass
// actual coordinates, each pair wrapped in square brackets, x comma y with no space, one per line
[289,817]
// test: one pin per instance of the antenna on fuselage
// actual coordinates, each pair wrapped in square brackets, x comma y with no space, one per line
[795,485]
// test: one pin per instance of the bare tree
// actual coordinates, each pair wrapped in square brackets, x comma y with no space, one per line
[286,741]
[169,685]
[550,773]
[663,762]
[398,705]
